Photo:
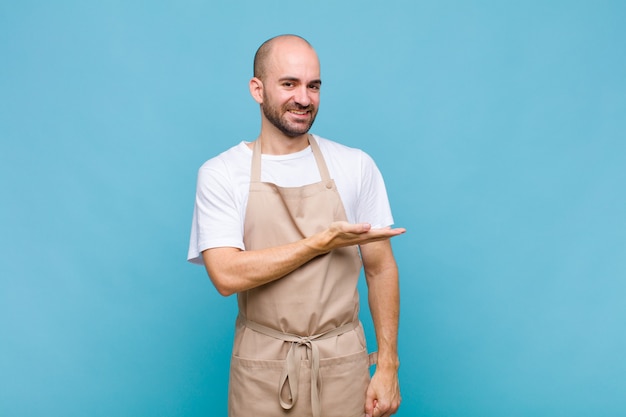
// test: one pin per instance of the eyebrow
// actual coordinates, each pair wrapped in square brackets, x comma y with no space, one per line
[288,78]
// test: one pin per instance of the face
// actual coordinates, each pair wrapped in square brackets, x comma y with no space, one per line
[291,88]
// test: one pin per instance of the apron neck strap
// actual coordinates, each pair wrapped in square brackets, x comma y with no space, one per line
[255,173]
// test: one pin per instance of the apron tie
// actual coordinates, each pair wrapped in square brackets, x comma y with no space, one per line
[291,372]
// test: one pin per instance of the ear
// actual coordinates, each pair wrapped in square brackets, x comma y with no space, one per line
[256,89]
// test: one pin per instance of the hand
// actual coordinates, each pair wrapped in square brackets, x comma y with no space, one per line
[383,394]
[341,234]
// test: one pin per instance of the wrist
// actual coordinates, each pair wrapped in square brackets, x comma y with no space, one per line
[317,243]
[388,366]
[388,362]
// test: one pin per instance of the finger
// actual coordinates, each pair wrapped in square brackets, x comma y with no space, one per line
[386,231]
[363,227]
[352,228]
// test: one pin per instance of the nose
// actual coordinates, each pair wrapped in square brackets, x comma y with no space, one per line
[301,96]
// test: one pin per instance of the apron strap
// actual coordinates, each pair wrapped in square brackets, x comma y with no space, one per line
[321,163]
[291,372]
[255,170]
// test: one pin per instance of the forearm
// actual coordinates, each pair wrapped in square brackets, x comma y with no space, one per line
[384,302]
[232,270]
[381,273]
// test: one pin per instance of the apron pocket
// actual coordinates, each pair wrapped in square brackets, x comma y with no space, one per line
[253,389]
[344,383]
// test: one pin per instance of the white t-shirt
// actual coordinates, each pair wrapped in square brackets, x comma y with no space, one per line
[224,182]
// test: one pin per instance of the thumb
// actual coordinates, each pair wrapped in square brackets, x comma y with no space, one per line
[370,404]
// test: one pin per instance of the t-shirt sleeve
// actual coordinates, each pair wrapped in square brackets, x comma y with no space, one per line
[373,203]
[216,218]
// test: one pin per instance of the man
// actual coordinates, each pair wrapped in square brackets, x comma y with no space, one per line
[280,221]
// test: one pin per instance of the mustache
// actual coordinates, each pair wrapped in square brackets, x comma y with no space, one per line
[299,107]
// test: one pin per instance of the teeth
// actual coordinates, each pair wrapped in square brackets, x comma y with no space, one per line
[297,112]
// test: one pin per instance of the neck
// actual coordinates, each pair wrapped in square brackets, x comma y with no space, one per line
[274,142]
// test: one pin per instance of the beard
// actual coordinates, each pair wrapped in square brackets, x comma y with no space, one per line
[276,116]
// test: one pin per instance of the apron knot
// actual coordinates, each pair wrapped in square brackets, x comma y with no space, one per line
[305,341]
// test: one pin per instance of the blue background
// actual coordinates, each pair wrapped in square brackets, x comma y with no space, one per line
[499,127]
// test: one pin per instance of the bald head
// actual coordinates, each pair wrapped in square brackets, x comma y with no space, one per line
[264,53]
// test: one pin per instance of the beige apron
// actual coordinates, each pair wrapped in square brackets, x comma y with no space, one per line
[299,347]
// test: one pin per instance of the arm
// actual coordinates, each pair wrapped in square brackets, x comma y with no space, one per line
[232,270]
[381,273]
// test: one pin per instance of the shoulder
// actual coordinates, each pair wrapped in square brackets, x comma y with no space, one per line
[330,146]
[228,163]
[339,152]
[345,155]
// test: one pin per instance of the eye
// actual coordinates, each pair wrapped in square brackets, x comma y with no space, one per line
[287,84]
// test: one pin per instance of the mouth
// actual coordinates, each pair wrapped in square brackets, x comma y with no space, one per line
[300,115]
[299,112]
